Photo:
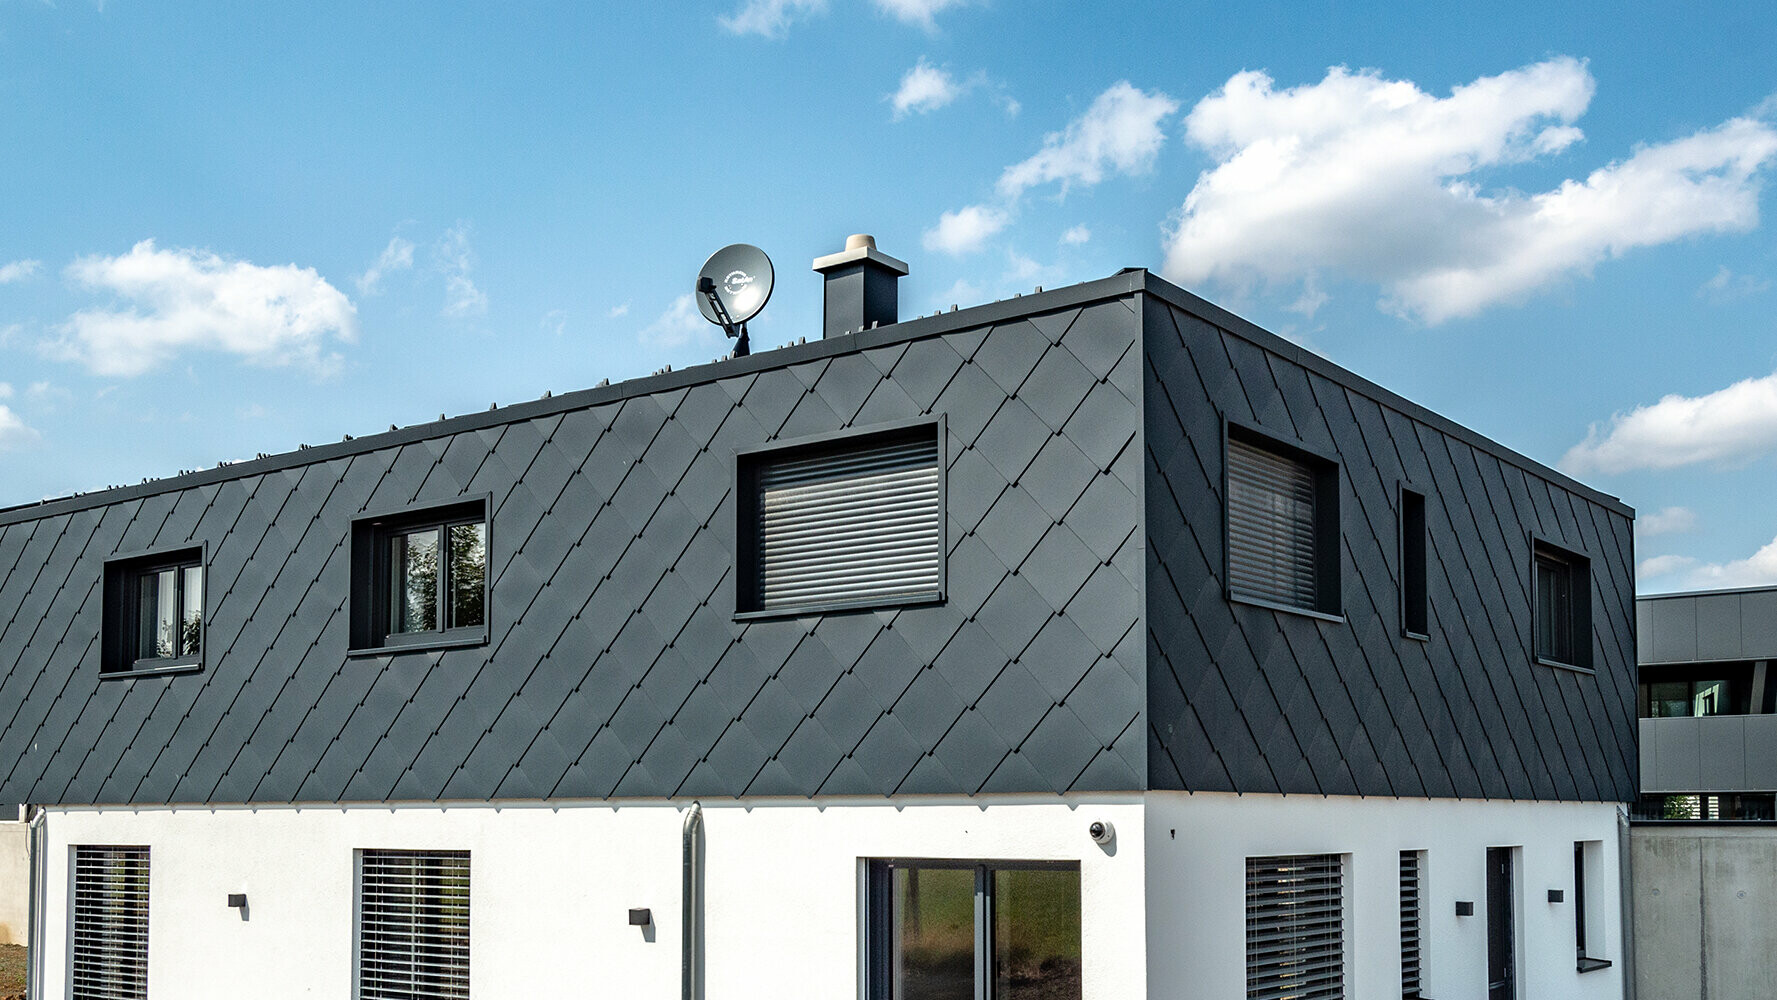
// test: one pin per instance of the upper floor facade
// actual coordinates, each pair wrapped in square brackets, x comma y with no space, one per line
[1108,537]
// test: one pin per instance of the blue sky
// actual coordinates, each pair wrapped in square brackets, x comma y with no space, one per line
[229,228]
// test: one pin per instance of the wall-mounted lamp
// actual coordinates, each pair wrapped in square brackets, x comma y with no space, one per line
[1465,908]
[1557,896]
[640,916]
[237,900]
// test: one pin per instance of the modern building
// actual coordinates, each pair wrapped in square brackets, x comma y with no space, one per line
[1093,643]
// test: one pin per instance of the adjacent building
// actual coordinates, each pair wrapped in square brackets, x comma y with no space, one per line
[1093,643]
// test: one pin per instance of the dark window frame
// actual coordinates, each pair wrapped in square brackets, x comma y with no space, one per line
[1328,475]
[1584,962]
[369,560]
[747,462]
[1576,620]
[879,926]
[122,577]
[1414,549]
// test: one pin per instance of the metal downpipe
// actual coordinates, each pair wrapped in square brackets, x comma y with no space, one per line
[691,905]
[34,922]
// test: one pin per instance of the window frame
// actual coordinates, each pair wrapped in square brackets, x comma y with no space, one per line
[747,461]
[879,928]
[438,854]
[140,859]
[370,569]
[1328,475]
[121,578]
[1413,547]
[1588,866]
[1578,567]
[1343,862]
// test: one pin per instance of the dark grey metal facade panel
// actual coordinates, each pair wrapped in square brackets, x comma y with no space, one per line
[1247,698]
[1709,626]
[615,665]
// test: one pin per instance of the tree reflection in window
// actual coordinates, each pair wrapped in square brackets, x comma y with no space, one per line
[169,612]
[429,594]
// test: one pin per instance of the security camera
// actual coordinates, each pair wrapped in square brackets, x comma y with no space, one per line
[1101,831]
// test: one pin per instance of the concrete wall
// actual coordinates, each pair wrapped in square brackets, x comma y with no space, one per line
[15,881]
[551,884]
[1704,900]
[1196,889]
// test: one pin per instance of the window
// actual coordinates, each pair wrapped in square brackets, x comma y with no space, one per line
[1283,525]
[1412,947]
[419,577]
[153,613]
[1563,614]
[1415,604]
[1588,923]
[1726,689]
[855,520]
[974,930]
[413,924]
[110,941]
[1295,927]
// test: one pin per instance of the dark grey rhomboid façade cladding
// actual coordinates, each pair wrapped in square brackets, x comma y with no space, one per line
[1085,641]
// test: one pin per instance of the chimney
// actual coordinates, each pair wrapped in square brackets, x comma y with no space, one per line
[860,287]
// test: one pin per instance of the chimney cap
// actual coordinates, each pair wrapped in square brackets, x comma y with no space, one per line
[859,247]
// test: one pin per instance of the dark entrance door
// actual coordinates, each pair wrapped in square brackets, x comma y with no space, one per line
[1501,938]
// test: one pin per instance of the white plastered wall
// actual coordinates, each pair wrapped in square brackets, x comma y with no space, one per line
[551,886]
[1196,872]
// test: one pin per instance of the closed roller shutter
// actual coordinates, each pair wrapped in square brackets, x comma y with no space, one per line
[413,924]
[863,523]
[1410,961]
[1295,928]
[110,923]
[1271,522]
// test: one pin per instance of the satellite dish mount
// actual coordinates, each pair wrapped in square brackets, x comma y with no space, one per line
[733,286]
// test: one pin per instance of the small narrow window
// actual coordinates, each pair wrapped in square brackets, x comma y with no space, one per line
[412,924]
[1412,944]
[856,521]
[110,939]
[1563,608]
[1588,928]
[419,577]
[1295,927]
[154,613]
[1283,525]
[993,931]
[1415,605]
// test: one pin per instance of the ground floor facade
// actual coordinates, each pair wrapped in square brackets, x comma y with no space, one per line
[1110,896]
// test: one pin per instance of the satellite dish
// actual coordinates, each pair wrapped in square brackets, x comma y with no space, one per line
[733,286]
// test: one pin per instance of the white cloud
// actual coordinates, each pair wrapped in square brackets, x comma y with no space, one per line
[177,299]
[5,390]
[554,321]
[769,18]
[1669,521]
[960,292]
[966,229]
[1377,180]
[924,88]
[1120,133]
[621,310]
[1726,286]
[1726,427]
[13,432]
[1009,105]
[1756,570]
[920,13]
[681,324]
[397,256]
[455,259]
[18,270]
[1076,235]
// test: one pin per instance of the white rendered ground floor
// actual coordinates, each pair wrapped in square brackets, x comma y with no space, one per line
[801,899]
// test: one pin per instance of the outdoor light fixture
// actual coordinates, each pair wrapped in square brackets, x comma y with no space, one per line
[1557,896]
[237,900]
[640,916]
[1465,908]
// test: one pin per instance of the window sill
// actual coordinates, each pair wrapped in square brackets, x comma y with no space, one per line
[1415,636]
[1286,608]
[188,666]
[1593,964]
[439,640]
[1558,665]
[872,604]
